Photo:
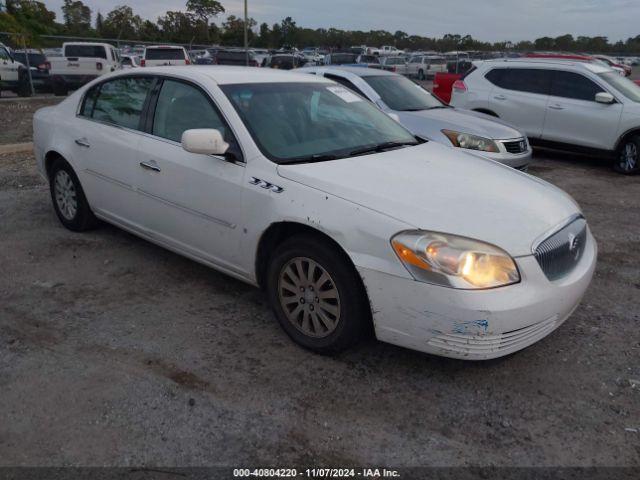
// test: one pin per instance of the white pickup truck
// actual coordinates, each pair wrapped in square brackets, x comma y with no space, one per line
[385,50]
[12,74]
[80,63]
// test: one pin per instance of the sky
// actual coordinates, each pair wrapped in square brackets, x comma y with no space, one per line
[488,20]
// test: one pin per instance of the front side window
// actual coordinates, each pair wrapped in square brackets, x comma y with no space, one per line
[294,122]
[401,94]
[4,55]
[530,80]
[623,85]
[575,86]
[120,101]
[183,107]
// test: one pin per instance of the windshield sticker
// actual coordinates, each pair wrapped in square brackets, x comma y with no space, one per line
[344,94]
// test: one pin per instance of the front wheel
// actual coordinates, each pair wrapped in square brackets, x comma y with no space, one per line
[628,159]
[317,295]
[68,198]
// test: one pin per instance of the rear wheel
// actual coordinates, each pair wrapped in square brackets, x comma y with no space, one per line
[68,198]
[628,159]
[59,88]
[317,295]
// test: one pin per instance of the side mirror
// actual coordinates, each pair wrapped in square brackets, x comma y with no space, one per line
[207,141]
[605,97]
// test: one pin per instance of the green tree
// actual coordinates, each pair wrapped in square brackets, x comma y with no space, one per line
[233,31]
[99,23]
[121,23]
[203,10]
[177,27]
[77,17]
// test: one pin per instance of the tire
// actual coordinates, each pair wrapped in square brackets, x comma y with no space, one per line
[627,160]
[24,88]
[69,200]
[421,75]
[59,88]
[325,323]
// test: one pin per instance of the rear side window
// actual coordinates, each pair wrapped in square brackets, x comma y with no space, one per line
[4,55]
[531,80]
[164,54]
[120,102]
[574,85]
[88,51]
[182,107]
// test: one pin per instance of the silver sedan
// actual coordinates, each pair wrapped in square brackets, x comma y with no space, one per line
[426,116]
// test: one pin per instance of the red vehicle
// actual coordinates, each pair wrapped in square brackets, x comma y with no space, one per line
[443,84]
[637,82]
[565,56]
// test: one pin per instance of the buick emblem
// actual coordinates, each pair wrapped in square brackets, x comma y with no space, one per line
[574,246]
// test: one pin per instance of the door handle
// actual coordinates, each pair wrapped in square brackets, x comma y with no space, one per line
[83,142]
[556,107]
[500,97]
[151,165]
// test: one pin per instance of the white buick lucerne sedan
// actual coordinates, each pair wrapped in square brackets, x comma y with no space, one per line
[348,222]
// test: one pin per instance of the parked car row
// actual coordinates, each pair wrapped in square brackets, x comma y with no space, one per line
[315,192]
[559,103]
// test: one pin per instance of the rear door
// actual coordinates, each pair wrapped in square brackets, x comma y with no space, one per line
[106,136]
[573,115]
[191,202]
[520,97]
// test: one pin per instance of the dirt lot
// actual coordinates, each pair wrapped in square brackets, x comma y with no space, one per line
[116,352]
[15,117]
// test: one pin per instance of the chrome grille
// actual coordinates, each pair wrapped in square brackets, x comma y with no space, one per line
[562,251]
[516,146]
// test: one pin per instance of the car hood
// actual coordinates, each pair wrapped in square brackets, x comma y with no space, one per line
[433,187]
[430,123]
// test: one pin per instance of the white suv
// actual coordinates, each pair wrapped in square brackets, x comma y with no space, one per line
[560,104]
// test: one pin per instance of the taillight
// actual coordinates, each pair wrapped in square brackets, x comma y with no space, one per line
[44,66]
[460,85]
[393,69]
[142,62]
[255,63]
[187,62]
[99,65]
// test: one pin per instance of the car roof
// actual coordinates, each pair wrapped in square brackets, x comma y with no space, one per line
[357,71]
[163,46]
[223,74]
[579,64]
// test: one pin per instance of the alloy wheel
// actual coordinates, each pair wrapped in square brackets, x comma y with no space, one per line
[65,194]
[309,297]
[628,157]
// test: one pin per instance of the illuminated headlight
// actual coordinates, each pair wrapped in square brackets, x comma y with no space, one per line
[454,261]
[471,142]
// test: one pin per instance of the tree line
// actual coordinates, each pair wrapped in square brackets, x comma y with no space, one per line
[196,25]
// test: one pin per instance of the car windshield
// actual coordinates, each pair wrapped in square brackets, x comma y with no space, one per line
[164,54]
[401,94]
[298,122]
[623,85]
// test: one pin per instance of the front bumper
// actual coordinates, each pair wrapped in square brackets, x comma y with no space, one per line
[476,324]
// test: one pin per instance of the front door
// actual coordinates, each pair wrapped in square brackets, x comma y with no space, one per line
[574,116]
[192,202]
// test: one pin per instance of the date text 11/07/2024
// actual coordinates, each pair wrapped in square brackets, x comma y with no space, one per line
[316,473]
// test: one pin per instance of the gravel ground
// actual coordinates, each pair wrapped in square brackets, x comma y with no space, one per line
[16,115]
[116,352]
